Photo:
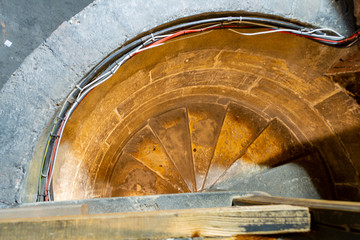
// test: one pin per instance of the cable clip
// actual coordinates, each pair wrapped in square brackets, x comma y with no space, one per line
[240,19]
[56,136]
[77,100]
[71,100]
[152,37]
[60,118]
[78,87]
[143,40]
[115,68]
[305,30]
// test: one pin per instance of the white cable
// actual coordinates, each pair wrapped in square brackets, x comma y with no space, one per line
[153,46]
[288,30]
[326,29]
[67,118]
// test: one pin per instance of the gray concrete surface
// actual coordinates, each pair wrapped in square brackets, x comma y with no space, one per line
[27,23]
[302,178]
[34,92]
[154,202]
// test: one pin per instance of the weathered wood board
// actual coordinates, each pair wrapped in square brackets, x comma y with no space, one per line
[310,203]
[209,222]
[43,211]
[339,214]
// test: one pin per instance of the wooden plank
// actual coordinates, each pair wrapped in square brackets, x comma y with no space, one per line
[339,214]
[43,211]
[242,237]
[210,222]
[310,203]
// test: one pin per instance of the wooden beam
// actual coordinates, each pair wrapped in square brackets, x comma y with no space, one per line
[208,222]
[43,211]
[339,214]
[310,203]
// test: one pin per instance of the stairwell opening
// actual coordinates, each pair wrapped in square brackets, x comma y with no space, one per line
[213,111]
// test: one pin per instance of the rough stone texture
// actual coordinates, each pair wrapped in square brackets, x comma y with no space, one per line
[27,24]
[31,96]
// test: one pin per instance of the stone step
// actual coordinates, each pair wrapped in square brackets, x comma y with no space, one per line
[273,146]
[205,121]
[171,128]
[132,178]
[145,147]
[210,146]
[240,128]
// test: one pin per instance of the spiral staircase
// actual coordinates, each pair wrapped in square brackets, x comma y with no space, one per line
[201,147]
[236,113]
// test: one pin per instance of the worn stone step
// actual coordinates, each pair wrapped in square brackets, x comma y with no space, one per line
[274,145]
[205,121]
[172,130]
[132,178]
[145,147]
[240,128]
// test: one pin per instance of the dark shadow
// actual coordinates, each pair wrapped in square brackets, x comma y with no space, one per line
[322,169]
[349,81]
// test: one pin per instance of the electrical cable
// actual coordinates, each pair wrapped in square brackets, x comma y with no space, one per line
[107,67]
[339,37]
